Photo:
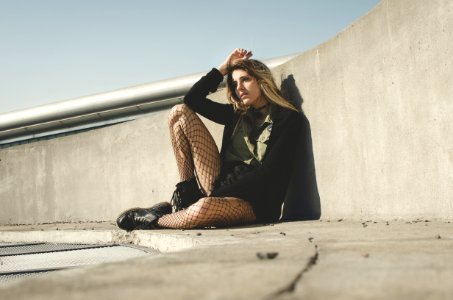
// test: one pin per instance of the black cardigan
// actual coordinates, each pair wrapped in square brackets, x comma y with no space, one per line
[265,186]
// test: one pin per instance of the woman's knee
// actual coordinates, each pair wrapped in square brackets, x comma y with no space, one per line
[177,111]
[202,206]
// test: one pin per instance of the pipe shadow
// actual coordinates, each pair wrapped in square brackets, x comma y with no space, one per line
[302,201]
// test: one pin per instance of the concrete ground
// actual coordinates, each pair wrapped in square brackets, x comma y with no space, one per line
[338,259]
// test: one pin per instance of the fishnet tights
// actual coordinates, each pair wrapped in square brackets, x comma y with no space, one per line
[194,147]
[210,212]
[197,153]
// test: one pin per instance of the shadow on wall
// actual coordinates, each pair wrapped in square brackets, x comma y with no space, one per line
[302,200]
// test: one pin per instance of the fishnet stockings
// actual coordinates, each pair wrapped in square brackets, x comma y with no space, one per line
[197,153]
[210,212]
[194,147]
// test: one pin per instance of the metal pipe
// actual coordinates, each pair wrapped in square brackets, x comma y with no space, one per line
[98,107]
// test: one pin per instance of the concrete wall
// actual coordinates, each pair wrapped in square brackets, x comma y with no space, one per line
[379,99]
[90,176]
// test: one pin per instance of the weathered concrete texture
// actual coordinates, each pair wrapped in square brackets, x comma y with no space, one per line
[378,96]
[316,260]
[89,176]
[379,99]
[395,261]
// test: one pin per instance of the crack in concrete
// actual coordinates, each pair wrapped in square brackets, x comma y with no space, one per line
[292,286]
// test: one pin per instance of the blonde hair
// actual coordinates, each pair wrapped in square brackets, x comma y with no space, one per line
[265,80]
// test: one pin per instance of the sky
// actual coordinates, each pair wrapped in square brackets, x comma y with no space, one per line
[54,50]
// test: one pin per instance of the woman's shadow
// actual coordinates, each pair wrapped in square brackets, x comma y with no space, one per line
[302,200]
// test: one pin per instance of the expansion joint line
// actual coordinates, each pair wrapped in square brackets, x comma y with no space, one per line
[292,285]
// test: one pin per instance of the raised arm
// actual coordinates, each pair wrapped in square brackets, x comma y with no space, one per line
[197,99]
[235,56]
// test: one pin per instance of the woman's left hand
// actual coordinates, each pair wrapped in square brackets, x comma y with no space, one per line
[235,56]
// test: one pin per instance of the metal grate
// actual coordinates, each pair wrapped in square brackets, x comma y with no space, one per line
[40,248]
[4,245]
[18,261]
[4,279]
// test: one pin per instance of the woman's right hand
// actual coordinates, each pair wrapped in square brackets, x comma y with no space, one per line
[235,56]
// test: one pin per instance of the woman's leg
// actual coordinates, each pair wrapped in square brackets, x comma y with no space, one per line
[196,152]
[194,147]
[210,211]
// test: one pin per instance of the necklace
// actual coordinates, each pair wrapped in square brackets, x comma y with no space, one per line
[262,107]
[258,114]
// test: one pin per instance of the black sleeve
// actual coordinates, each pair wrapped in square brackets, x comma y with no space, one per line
[274,171]
[197,101]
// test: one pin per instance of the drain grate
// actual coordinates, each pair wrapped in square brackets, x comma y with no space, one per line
[7,278]
[2,245]
[19,249]
[19,261]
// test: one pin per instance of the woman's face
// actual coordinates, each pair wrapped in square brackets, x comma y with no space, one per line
[247,89]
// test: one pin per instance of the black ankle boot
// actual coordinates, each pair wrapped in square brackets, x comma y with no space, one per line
[186,193]
[143,218]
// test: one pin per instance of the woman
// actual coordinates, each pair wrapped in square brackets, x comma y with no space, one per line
[244,183]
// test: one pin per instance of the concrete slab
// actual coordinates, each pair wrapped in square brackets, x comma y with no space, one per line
[315,260]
